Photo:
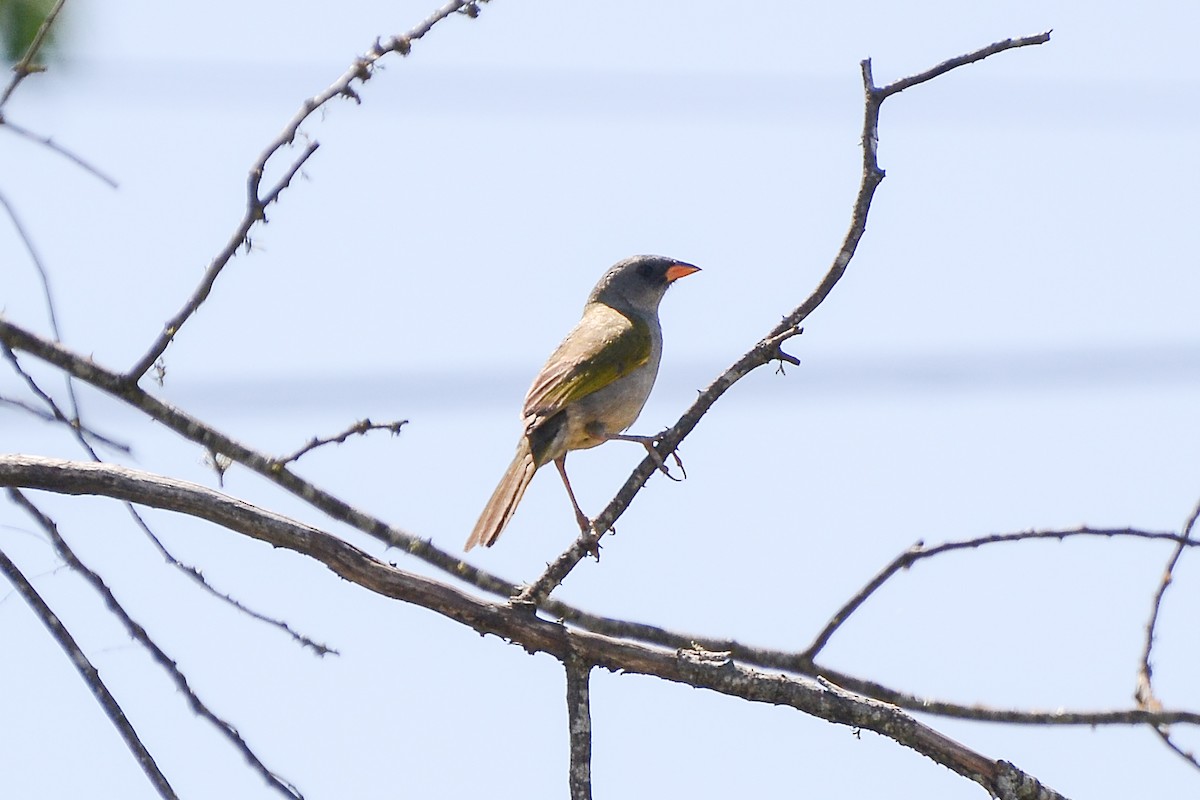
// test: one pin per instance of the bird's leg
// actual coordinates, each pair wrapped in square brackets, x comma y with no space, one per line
[585,524]
[649,443]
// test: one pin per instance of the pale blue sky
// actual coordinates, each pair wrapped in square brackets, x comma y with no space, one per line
[1016,345]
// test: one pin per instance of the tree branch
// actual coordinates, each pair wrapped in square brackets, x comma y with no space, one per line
[694,665]
[360,428]
[361,71]
[49,143]
[191,572]
[1144,688]
[142,637]
[919,552]
[189,427]
[769,347]
[91,677]
[579,727]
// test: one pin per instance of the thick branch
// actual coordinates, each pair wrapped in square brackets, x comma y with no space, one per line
[579,727]
[274,470]
[693,665]
[69,477]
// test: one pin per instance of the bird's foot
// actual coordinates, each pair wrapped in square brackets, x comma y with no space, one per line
[593,550]
[651,445]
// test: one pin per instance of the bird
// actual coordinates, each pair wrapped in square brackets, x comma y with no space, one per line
[592,387]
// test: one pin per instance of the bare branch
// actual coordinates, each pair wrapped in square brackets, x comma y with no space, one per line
[46,416]
[17,338]
[919,552]
[191,572]
[1144,691]
[139,634]
[43,275]
[51,313]
[256,204]
[353,564]
[1164,733]
[49,143]
[197,577]
[359,428]
[56,414]
[694,666]
[579,726]
[112,709]
[769,347]
[963,60]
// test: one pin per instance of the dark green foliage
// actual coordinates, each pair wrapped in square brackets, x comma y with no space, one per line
[19,22]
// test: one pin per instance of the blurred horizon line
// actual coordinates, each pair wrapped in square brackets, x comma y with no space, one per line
[825,377]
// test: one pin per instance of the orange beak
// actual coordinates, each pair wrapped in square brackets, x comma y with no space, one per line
[677,271]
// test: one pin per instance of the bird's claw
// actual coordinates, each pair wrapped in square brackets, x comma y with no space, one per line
[661,465]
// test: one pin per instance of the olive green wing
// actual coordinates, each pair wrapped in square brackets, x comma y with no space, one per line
[604,346]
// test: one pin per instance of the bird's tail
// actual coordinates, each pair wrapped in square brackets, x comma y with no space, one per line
[500,508]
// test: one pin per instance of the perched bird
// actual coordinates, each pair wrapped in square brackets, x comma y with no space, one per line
[592,387]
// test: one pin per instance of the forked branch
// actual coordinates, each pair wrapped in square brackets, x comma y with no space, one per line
[768,348]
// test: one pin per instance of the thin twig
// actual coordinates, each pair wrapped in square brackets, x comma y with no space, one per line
[1144,690]
[48,298]
[255,213]
[1187,755]
[49,143]
[140,635]
[76,428]
[46,416]
[196,576]
[359,428]
[919,552]
[361,71]
[769,348]
[187,569]
[29,408]
[91,677]
[963,60]
[579,727]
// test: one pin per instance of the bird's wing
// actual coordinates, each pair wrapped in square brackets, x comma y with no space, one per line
[604,346]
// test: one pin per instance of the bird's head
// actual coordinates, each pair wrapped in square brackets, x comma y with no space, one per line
[638,283]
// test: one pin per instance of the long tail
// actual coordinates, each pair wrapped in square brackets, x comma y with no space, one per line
[500,508]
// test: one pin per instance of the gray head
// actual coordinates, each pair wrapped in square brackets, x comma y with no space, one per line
[638,283]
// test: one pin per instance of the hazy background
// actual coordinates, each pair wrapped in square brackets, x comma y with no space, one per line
[1015,345]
